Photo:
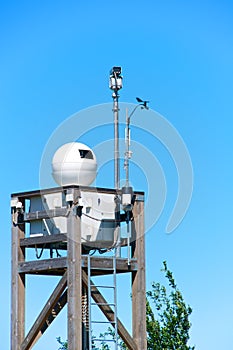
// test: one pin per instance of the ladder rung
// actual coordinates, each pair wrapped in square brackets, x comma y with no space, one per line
[110,304]
[95,286]
[94,339]
[103,268]
[103,322]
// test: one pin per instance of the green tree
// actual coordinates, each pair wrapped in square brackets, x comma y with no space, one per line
[110,334]
[167,319]
[64,344]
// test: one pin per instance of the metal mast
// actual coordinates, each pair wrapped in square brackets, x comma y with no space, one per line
[115,84]
[143,105]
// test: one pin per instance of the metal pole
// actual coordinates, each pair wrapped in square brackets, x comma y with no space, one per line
[115,96]
[127,141]
[115,85]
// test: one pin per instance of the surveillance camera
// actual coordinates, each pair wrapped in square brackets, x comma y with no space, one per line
[115,70]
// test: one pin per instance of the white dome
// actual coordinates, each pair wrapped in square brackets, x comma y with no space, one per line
[74,164]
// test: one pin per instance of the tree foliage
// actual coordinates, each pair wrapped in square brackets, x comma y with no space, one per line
[109,334]
[167,319]
[64,344]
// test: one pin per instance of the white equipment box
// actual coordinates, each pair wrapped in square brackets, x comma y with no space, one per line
[97,221]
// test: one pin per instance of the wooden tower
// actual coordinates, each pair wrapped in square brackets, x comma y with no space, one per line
[56,220]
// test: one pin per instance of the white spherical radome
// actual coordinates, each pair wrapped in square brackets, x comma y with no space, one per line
[74,164]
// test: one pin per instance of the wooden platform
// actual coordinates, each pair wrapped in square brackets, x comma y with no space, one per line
[58,266]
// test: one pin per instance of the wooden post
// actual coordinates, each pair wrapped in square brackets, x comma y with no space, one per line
[17,283]
[138,278]
[74,279]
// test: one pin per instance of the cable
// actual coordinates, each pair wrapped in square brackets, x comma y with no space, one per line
[57,252]
[96,219]
[38,256]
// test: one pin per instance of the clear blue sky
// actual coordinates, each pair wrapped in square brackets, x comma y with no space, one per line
[54,61]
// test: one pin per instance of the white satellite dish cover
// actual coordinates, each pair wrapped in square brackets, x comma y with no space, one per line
[74,164]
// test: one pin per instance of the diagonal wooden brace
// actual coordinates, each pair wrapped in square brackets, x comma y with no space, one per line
[36,330]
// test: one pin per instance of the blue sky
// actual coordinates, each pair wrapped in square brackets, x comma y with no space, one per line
[55,58]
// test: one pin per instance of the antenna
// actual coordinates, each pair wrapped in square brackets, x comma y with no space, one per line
[128,154]
[127,190]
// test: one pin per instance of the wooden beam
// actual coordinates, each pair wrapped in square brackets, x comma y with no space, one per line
[104,265]
[55,311]
[44,314]
[41,240]
[74,269]
[17,283]
[45,266]
[109,314]
[57,266]
[138,278]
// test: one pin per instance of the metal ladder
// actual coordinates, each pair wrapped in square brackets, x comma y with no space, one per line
[113,305]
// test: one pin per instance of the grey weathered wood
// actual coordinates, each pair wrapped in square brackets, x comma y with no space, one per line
[44,314]
[74,268]
[42,240]
[17,286]
[55,311]
[52,316]
[138,279]
[46,266]
[109,313]
[104,265]
[57,266]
